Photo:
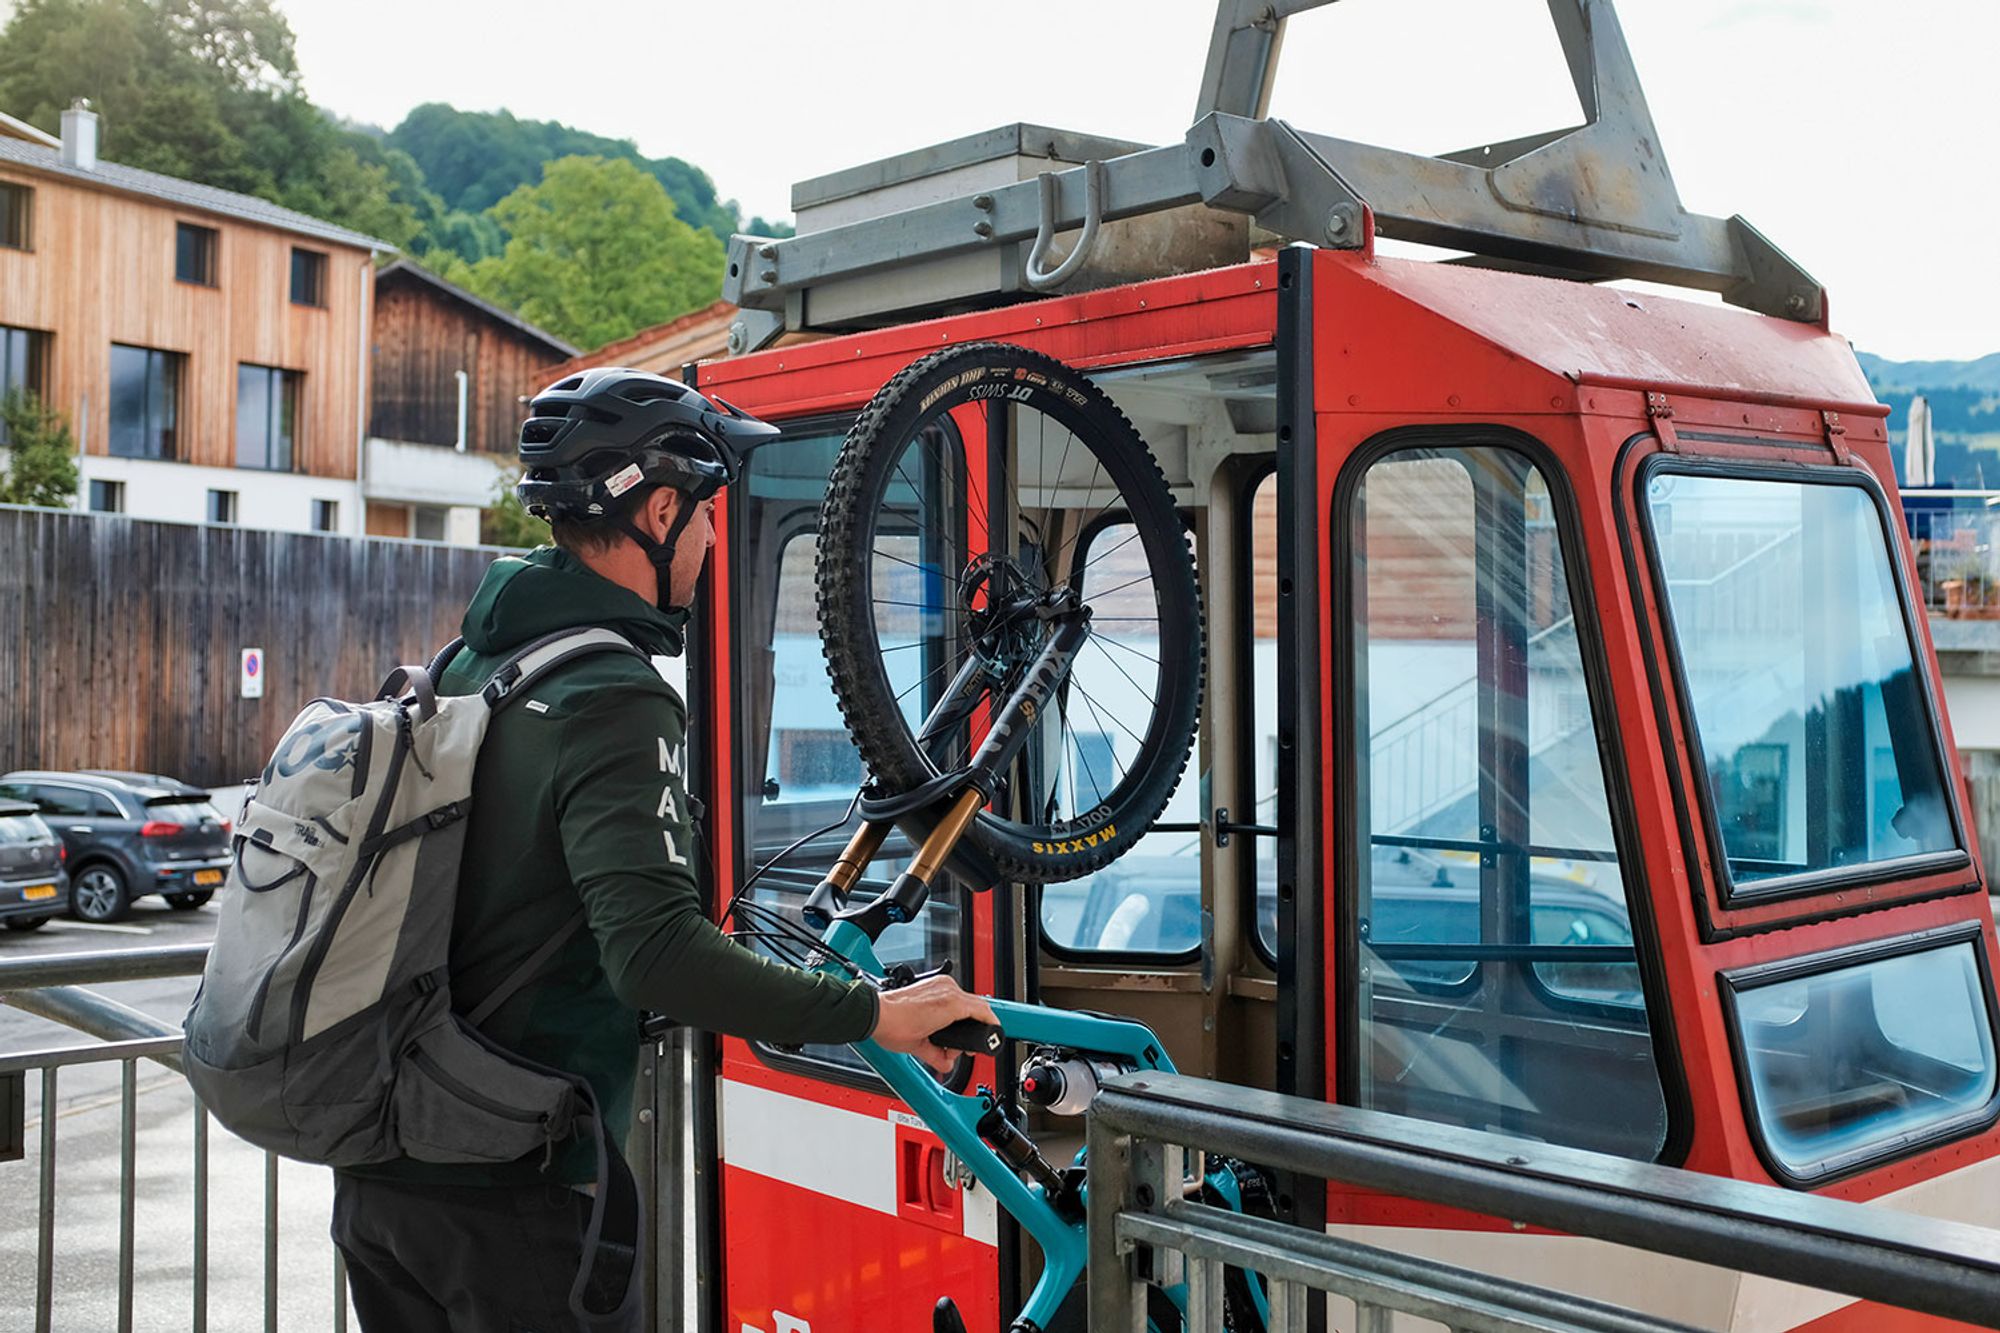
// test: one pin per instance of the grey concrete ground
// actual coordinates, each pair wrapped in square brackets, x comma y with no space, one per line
[87,1158]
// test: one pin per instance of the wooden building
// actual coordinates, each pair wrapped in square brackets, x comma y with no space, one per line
[208,348]
[444,406]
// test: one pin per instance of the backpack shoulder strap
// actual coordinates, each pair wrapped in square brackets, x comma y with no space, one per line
[526,970]
[544,655]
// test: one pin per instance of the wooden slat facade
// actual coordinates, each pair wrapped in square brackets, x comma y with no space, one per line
[423,334]
[122,638]
[102,271]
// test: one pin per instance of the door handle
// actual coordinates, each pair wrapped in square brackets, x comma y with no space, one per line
[79,828]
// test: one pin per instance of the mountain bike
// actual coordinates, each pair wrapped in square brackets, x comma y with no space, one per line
[961,599]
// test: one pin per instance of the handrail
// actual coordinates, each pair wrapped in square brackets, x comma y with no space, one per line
[82,969]
[1940,1268]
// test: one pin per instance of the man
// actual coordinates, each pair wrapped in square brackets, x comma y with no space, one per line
[579,793]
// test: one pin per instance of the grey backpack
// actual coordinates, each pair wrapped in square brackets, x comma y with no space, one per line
[324,1028]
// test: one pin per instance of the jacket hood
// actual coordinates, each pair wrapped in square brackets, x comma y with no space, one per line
[523,598]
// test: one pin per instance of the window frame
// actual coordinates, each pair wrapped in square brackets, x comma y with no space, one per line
[1147,959]
[738,634]
[316,270]
[1784,888]
[327,509]
[17,198]
[282,380]
[219,499]
[209,252]
[175,363]
[1735,981]
[1252,481]
[113,489]
[1347,850]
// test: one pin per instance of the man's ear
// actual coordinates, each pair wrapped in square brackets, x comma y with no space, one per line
[661,506]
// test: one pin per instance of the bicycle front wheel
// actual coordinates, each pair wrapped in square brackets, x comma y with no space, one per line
[983,488]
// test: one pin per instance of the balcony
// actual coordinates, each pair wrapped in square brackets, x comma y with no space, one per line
[1955,536]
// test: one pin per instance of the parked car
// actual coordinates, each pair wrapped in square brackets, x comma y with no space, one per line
[33,884]
[128,835]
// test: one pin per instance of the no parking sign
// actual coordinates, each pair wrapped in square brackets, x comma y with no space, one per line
[253,673]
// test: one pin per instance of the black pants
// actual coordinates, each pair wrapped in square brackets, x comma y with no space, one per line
[439,1259]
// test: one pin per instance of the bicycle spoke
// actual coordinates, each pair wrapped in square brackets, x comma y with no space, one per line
[1113,551]
[878,553]
[1103,639]
[924,680]
[1091,704]
[1150,699]
[1077,754]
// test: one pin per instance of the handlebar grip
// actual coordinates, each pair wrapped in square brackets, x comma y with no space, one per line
[968,1034]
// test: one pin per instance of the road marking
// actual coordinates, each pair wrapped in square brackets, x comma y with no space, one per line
[106,927]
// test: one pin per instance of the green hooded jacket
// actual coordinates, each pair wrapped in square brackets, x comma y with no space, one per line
[579,797]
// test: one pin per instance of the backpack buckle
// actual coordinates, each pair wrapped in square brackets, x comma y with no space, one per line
[503,683]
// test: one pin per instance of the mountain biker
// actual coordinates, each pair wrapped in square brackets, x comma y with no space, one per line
[579,792]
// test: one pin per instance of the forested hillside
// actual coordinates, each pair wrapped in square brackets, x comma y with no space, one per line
[1964,398]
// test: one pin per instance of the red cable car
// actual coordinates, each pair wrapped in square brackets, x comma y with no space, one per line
[1573,764]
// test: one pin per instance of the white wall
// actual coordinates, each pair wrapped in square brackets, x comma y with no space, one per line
[1973,703]
[178,492]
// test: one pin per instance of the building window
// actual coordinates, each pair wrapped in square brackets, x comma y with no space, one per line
[308,277]
[107,497]
[17,216]
[194,254]
[326,515]
[427,523]
[267,414]
[23,365]
[222,506]
[145,401]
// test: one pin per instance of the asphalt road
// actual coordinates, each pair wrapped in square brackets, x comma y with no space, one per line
[87,1160]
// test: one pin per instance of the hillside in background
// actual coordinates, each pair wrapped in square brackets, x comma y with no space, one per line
[1964,397]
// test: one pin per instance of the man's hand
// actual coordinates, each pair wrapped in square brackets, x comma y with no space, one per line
[909,1015]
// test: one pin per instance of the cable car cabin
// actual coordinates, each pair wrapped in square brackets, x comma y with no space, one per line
[1572,764]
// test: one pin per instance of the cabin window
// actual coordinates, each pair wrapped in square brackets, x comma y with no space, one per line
[145,402]
[194,253]
[797,771]
[1867,1053]
[1819,754]
[1148,901]
[17,216]
[267,416]
[308,277]
[1263,710]
[23,366]
[1495,979]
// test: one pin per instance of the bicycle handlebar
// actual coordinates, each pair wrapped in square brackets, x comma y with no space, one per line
[968,1035]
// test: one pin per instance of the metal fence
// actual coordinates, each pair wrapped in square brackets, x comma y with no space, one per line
[1955,537]
[1143,1227]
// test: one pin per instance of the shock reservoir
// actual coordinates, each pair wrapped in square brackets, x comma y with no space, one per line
[1063,1082]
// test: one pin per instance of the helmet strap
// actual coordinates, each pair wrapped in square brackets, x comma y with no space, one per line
[661,553]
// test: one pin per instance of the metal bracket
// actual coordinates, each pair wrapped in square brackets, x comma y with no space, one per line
[1836,437]
[1267,169]
[1661,413]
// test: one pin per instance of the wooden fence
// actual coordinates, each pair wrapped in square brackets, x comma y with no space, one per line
[121,640]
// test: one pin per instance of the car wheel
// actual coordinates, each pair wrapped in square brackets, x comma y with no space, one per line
[99,893]
[26,922]
[187,902]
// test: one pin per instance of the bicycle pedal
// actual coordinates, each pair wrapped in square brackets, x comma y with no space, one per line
[945,1317]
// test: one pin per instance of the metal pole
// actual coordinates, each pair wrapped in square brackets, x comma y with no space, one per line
[270,1242]
[200,1317]
[670,1211]
[45,1242]
[1115,1304]
[128,1117]
[339,1291]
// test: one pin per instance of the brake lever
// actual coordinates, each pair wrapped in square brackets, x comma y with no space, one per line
[898,975]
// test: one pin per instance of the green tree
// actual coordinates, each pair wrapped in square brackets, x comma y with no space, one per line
[507,522]
[41,462]
[595,252]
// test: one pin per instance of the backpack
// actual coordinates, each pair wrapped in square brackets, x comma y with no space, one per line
[323,1028]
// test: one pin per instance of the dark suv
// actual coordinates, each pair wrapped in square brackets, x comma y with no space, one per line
[128,835]
[33,883]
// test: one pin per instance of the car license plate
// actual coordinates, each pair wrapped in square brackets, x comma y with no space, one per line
[208,877]
[34,893]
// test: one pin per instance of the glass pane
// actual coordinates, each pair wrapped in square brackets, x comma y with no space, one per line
[128,401]
[163,401]
[798,768]
[1264,704]
[253,416]
[1816,738]
[1848,1063]
[63,801]
[286,426]
[1149,899]
[1500,985]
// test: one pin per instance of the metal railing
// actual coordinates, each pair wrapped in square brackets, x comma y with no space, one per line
[1144,1227]
[1955,537]
[53,986]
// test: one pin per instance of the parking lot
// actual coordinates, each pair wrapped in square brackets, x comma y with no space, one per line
[88,1153]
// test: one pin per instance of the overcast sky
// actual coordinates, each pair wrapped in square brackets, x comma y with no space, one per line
[1859,135]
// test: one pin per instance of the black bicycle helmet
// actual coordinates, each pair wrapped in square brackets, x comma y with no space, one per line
[594,438]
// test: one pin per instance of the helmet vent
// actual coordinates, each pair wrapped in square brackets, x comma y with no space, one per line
[649,391]
[540,430]
[573,382]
